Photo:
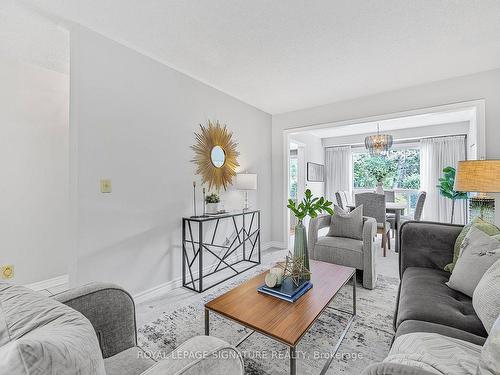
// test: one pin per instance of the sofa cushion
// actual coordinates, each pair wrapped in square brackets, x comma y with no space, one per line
[411,326]
[39,335]
[133,361]
[339,250]
[435,353]
[425,296]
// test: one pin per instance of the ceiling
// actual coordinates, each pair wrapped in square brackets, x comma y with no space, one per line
[33,39]
[284,55]
[409,122]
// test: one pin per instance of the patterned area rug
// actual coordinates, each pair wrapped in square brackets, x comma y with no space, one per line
[368,340]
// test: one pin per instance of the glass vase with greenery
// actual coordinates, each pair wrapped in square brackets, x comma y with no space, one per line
[446,188]
[308,207]
[380,168]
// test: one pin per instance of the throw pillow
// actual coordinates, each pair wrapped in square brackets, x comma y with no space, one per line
[434,353]
[347,224]
[489,362]
[488,228]
[486,297]
[477,253]
[39,335]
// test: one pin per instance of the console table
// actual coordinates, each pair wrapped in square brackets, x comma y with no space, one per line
[211,255]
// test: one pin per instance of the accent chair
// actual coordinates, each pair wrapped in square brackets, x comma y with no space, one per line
[359,254]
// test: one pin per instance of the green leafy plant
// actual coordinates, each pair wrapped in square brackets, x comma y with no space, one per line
[446,188]
[380,168]
[310,206]
[212,198]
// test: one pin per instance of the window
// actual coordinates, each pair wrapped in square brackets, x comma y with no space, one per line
[400,170]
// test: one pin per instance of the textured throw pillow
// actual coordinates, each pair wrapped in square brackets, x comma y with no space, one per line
[486,297]
[488,228]
[477,253]
[349,225]
[39,335]
[489,362]
[434,353]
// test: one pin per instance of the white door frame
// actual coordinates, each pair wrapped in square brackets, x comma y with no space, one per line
[479,123]
[300,195]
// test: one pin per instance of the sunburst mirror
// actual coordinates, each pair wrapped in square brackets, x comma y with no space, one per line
[215,155]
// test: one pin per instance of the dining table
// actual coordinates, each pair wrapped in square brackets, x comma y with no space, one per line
[398,210]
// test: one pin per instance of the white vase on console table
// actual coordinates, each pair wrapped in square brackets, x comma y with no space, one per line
[212,208]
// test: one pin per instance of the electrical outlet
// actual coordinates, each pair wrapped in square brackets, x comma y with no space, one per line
[105,186]
[7,271]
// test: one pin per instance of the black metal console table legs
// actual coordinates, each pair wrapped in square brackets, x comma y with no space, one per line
[204,257]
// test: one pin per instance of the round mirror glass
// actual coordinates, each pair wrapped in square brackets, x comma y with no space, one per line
[218,156]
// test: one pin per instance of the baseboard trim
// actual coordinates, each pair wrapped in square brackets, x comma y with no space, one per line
[169,286]
[157,291]
[49,283]
[277,244]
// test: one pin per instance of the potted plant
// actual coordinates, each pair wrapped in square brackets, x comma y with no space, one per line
[446,188]
[212,201]
[308,207]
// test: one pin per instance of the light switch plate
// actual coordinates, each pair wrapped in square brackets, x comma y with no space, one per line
[105,186]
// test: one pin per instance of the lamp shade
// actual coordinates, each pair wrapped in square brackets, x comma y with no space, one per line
[246,181]
[482,176]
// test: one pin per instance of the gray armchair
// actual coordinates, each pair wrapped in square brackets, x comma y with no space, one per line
[359,254]
[111,311]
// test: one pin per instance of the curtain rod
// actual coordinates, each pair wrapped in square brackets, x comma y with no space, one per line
[401,141]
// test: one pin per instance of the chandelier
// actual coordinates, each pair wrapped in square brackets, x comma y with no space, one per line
[379,144]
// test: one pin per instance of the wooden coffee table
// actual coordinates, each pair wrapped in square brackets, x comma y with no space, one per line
[280,320]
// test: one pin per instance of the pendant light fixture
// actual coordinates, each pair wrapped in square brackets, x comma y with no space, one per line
[379,144]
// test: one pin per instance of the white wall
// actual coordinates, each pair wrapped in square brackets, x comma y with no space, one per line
[478,86]
[34,132]
[314,153]
[34,164]
[133,122]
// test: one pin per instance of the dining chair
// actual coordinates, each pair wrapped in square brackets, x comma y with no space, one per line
[374,206]
[344,199]
[390,195]
[417,214]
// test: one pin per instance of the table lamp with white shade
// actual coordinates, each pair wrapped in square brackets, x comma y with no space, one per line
[480,176]
[246,182]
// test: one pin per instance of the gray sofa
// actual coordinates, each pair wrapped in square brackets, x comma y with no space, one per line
[359,254]
[40,335]
[111,310]
[425,303]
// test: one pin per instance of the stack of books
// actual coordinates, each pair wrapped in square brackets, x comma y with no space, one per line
[287,291]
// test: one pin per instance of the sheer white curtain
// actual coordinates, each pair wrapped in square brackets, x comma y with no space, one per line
[436,154]
[338,171]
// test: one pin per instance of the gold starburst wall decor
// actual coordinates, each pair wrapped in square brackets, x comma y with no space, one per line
[215,155]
